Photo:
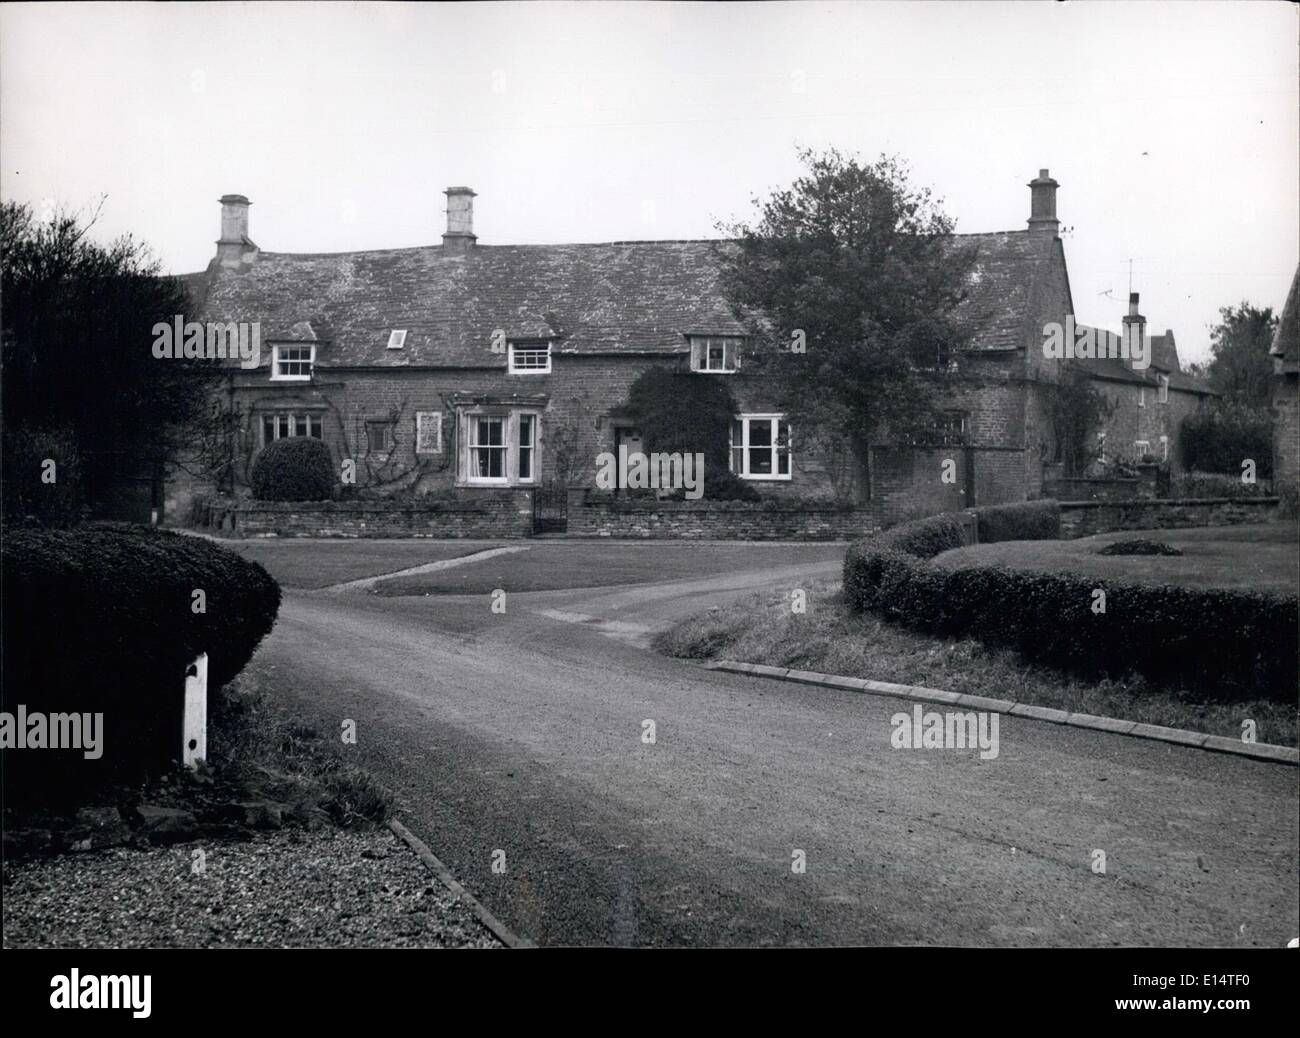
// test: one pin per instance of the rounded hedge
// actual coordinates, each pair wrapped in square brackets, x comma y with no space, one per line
[296,468]
[105,618]
[1232,644]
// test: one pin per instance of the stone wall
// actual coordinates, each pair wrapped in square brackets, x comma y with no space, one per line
[1084,518]
[1116,489]
[592,515]
[499,514]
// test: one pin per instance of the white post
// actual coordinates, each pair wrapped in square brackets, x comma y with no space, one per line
[194,726]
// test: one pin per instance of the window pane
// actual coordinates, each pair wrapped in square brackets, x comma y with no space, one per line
[525,430]
[760,432]
[315,426]
[300,425]
[268,428]
[282,425]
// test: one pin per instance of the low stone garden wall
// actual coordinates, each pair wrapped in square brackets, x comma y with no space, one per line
[597,515]
[1085,518]
[499,514]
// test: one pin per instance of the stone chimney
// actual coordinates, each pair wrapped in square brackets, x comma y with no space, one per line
[1042,210]
[460,221]
[1135,325]
[234,246]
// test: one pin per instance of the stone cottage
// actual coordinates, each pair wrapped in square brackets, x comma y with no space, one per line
[475,369]
[1149,404]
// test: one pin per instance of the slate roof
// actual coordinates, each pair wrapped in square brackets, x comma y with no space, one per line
[618,297]
[1286,340]
[1001,286]
[1164,360]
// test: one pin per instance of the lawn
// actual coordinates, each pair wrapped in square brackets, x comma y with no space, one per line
[319,563]
[1256,557]
[559,565]
[831,639]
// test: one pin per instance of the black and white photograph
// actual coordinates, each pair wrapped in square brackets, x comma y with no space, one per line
[651,475]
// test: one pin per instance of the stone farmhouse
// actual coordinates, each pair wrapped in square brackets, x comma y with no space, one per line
[480,371]
[1149,403]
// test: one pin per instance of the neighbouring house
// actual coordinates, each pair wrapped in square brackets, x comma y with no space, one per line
[1286,398]
[1149,404]
[473,369]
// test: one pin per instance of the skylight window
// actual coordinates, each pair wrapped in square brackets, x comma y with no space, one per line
[397,339]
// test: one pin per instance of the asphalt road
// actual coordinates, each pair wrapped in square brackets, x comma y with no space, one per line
[522,733]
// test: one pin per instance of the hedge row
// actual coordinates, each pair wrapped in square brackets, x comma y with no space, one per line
[103,619]
[926,538]
[1233,644]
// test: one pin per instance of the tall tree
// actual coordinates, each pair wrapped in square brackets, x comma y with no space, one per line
[849,280]
[77,346]
[1240,366]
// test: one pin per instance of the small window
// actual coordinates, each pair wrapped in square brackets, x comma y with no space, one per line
[1142,396]
[379,436]
[292,363]
[1142,447]
[715,354]
[428,432]
[280,425]
[1164,448]
[760,447]
[1101,447]
[530,358]
[397,339]
[1164,390]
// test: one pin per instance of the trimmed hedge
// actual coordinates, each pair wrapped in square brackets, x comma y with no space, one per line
[1024,521]
[1234,644]
[297,468]
[101,619]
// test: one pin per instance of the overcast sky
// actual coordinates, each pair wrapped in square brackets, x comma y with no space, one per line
[1172,127]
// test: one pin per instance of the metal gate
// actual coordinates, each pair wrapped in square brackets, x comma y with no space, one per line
[550,507]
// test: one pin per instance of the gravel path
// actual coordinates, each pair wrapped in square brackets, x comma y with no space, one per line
[289,889]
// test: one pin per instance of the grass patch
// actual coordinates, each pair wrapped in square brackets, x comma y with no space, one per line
[310,564]
[1256,558]
[831,639]
[556,566]
[256,746]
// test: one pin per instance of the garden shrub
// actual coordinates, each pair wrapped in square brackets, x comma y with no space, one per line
[1140,546]
[1023,521]
[297,468]
[1233,644]
[1220,438]
[102,619]
[1214,484]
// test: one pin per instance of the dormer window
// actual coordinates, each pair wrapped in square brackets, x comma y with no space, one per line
[397,338]
[715,354]
[530,358]
[292,363]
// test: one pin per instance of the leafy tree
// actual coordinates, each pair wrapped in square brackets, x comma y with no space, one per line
[866,268]
[1240,366]
[1220,438]
[77,346]
[680,412]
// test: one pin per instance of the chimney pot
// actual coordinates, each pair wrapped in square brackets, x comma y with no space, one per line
[1042,208]
[234,241]
[459,236]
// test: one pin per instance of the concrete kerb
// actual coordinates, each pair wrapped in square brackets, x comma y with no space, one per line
[499,930]
[1114,725]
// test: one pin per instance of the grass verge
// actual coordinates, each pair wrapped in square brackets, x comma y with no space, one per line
[830,639]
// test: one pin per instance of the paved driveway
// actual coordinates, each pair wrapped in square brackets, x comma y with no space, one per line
[522,732]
